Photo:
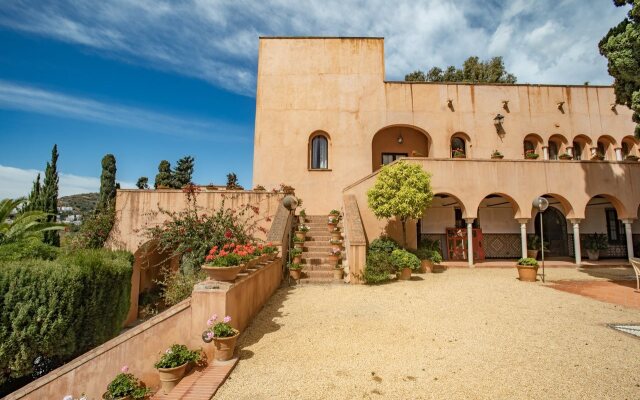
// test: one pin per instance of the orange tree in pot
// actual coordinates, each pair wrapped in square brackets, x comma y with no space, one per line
[173,365]
[223,336]
[125,386]
[404,262]
[527,269]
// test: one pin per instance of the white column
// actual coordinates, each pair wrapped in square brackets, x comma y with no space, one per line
[618,151]
[629,235]
[594,151]
[570,151]
[545,152]
[576,240]
[470,241]
[523,235]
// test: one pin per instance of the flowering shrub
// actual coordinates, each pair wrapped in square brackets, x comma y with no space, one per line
[218,330]
[126,384]
[177,355]
[232,254]
[334,219]
[334,212]
[303,228]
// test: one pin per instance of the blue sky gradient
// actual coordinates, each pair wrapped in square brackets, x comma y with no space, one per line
[149,80]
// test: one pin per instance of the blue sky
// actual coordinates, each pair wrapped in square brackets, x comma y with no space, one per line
[149,80]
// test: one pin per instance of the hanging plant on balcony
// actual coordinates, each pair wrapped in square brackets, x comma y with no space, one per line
[631,157]
[496,155]
[531,155]
[565,156]
[459,153]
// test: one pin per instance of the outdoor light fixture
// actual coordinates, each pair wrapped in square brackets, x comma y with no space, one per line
[290,202]
[450,103]
[541,204]
[505,105]
[400,139]
[613,107]
[497,121]
[560,105]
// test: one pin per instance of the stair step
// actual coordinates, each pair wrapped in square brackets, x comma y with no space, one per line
[319,281]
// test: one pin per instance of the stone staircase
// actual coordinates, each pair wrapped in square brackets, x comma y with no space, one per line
[316,250]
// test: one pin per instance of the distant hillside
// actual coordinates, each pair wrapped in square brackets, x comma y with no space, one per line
[84,203]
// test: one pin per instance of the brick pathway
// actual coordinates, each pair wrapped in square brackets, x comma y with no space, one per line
[200,385]
[616,292]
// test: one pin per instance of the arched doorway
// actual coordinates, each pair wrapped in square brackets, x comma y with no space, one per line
[555,232]
[394,142]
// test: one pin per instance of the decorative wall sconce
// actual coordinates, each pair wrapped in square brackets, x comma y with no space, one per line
[400,139]
[561,106]
[613,106]
[505,105]
[497,122]
[450,104]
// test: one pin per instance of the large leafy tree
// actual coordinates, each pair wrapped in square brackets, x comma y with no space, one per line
[473,71]
[163,178]
[107,183]
[49,196]
[401,190]
[182,173]
[24,225]
[621,47]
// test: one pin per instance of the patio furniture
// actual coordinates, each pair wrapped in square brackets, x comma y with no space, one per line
[635,263]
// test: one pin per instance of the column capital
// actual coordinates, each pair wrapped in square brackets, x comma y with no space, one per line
[628,220]
[522,220]
[469,220]
[575,220]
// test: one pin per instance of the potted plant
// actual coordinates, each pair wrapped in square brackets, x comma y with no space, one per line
[301,233]
[295,271]
[533,247]
[335,213]
[259,188]
[333,222]
[459,153]
[631,157]
[298,243]
[125,386]
[173,365]
[336,234]
[531,155]
[527,269]
[595,242]
[224,264]
[334,256]
[338,272]
[496,155]
[223,335]
[270,251]
[296,255]
[429,254]
[335,243]
[302,216]
[565,156]
[404,262]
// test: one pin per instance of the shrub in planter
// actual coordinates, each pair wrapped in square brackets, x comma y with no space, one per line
[224,264]
[565,156]
[223,335]
[125,385]
[527,269]
[173,364]
[531,155]
[56,310]
[595,242]
[270,250]
[404,262]
[429,254]
[379,267]
[383,244]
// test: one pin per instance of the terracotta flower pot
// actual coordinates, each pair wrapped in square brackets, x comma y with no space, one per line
[594,255]
[331,226]
[225,347]
[297,259]
[527,273]
[426,266]
[224,274]
[169,377]
[295,274]
[333,260]
[301,235]
[533,254]
[405,274]
[497,157]
[336,235]
[338,273]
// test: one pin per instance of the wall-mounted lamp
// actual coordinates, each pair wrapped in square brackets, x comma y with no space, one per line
[497,122]
[450,104]
[505,105]
[400,139]
[613,107]
[560,106]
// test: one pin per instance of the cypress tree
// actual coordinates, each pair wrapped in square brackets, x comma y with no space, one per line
[33,202]
[163,178]
[183,172]
[107,183]
[49,196]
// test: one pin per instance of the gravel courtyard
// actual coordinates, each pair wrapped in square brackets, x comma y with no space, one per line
[460,334]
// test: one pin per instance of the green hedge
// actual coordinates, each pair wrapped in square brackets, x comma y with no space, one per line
[56,310]
[25,249]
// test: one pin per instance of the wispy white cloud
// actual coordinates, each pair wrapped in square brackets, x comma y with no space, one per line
[545,41]
[17,182]
[28,98]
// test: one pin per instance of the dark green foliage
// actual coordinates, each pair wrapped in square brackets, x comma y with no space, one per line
[383,243]
[621,47]
[59,309]
[596,241]
[232,182]
[126,384]
[107,183]
[528,262]
[379,267]
[49,196]
[403,259]
[34,201]
[143,183]
[429,250]
[177,355]
[473,71]
[182,173]
[25,249]
[95,229]
[164,177]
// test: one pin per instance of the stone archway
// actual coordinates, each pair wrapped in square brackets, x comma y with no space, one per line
[398,141]
[555,231]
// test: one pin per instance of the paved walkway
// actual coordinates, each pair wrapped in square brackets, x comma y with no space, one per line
[563,262]
[460,334]
[615,292]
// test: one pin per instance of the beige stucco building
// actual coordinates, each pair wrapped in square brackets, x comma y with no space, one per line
[326,120]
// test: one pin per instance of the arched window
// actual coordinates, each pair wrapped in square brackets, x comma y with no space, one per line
[553,150]
[319,152]
[601,150]
[529,147]
[625,150]
[458,149]
[577,151]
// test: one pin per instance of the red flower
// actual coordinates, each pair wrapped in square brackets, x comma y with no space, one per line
[228,234]
[209,257]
